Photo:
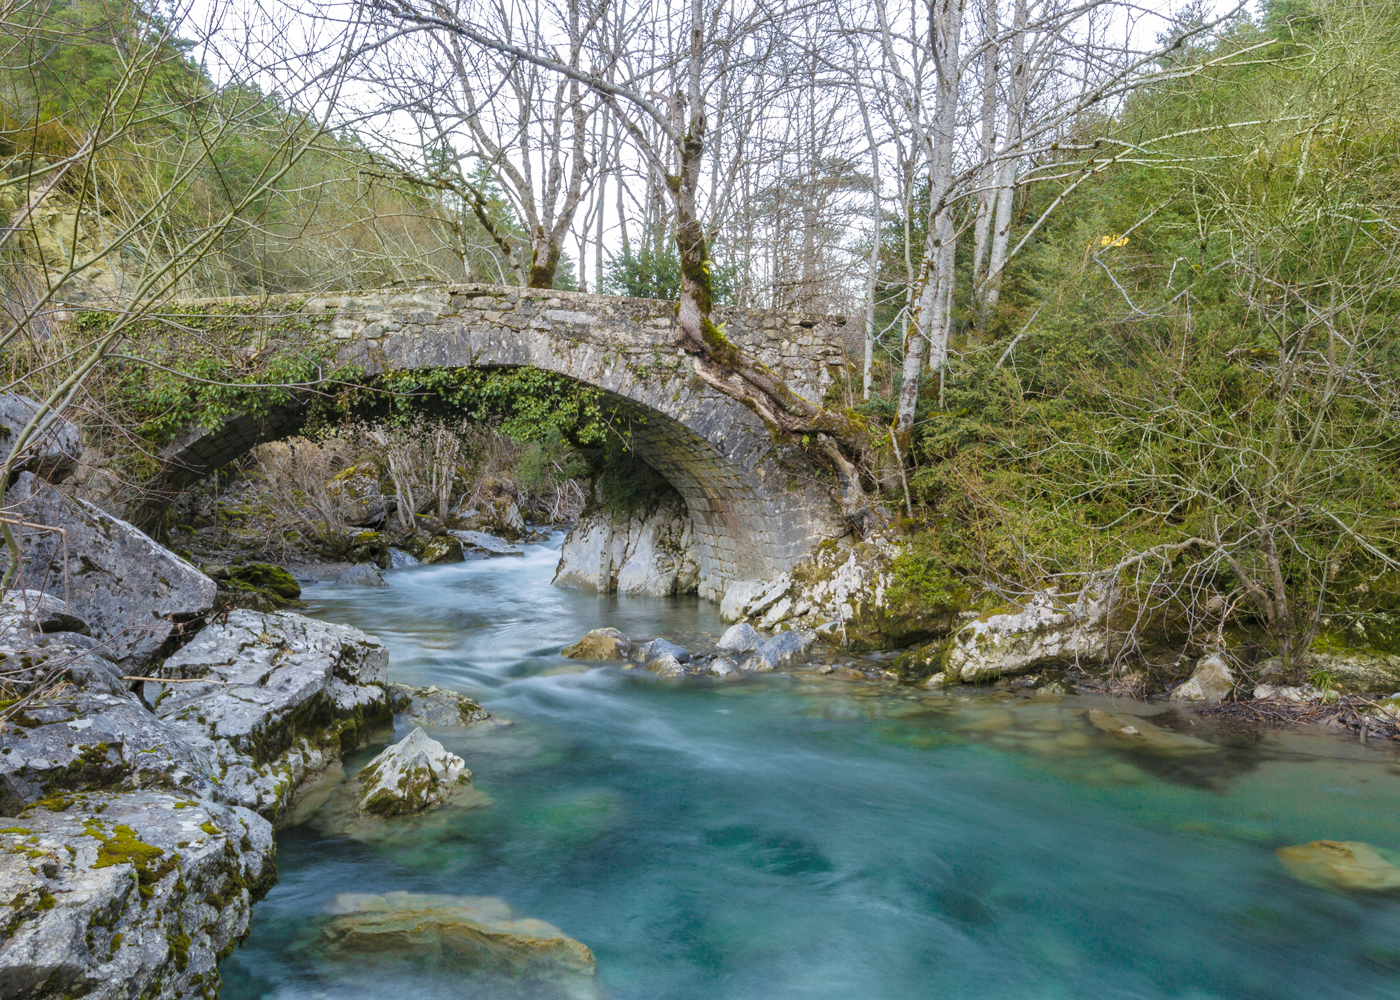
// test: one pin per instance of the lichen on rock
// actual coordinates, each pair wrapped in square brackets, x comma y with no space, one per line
[412,776]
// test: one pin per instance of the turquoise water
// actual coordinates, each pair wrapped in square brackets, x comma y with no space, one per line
[820,837]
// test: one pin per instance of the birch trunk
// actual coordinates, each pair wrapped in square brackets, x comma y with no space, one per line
[986,182]
[1006,169]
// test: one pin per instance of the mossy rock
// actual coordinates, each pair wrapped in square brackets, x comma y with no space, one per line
[256,586]
[441,549]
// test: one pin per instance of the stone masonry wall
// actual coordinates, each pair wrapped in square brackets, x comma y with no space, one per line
[757,504]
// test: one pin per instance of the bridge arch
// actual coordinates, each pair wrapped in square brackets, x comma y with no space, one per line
[757,505]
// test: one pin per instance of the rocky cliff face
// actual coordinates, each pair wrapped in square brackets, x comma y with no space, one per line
[653,553]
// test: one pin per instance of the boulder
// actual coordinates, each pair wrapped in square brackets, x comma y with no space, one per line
[68,656]
[435,708]
[658,648]
[739,639]
[1285,692]
[442,549]
[723,668]
[783,650]
[127,895]
[53,451]
[84,740]
[362,575]
[1210,683]
[1348,865]
[257,586]
[138,598]
[277,698]
[653,553]
[399,559]
[665,665]
[412,776]
[600,644]
[1039,634]
[468,932]
[487,545]
[358,496]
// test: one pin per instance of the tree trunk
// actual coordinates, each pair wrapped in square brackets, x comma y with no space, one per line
[986,186]
[1006,169]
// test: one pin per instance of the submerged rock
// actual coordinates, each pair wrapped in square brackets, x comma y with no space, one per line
[53,451]
[434,707]
[412,776]
[127,895]
[1209,683]
[1348,865]
[1139,732]
[466,932]
[138,598]
[600,644]
[363,575]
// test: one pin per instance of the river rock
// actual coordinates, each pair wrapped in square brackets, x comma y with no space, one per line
[737,598]
[399,559]
[433,707]
[1348,865]
[1135,731]
[485,544]
[85,740]
[723,668]
[127,895]
[442,549]
[283,696]
[412,776]
[467,932]
[600,644]
[75,657]
[784,650]
[362,575]
[1210,683]
[1286,692]
[359,498]
[256,586]
[739,639]
[653,553]
[658,648]
[1039,634]
[137,597]
[53,450]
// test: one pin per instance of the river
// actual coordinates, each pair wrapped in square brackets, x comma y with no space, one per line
[823,837]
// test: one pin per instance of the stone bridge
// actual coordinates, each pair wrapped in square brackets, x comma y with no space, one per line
[757,504]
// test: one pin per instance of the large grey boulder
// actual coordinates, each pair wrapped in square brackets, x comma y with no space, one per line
[138,598]
[412,776]
[362,575]
[1040,633]
[786,649]
[358,495]
[84,740]
[1362,671]
[739,639]
[278,698]
[1209,684]
[63,656]
[52,452]
[270,677]
[654,554]
[27,614]
[127,895]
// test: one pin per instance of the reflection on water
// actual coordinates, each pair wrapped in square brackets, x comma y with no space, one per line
[815,836]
